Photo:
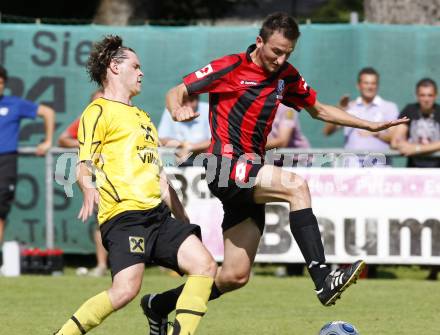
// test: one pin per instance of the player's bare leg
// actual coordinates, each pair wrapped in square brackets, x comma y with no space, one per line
[240,248]
[274,184]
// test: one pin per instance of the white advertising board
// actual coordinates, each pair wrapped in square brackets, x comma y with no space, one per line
[382,215]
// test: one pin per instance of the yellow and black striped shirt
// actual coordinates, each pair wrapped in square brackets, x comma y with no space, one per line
[121,142]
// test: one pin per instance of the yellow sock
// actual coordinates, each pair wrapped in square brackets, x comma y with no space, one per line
[88,316]
[191,305]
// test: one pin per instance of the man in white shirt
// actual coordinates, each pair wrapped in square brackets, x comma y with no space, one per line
[369,106]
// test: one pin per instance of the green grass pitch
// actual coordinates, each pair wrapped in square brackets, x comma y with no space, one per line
[267,305]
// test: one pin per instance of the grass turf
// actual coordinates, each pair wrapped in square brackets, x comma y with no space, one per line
[267,305]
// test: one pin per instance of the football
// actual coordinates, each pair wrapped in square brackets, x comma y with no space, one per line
[338,328]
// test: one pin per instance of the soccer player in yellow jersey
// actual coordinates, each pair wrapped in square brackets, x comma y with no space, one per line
[118,145]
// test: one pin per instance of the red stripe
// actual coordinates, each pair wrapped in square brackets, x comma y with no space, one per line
[250,121]
[225,106]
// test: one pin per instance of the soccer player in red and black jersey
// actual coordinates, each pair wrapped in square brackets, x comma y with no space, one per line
[244,92]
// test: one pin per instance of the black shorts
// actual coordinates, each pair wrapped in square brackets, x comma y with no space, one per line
[150,236]
[233,183]
[8,181]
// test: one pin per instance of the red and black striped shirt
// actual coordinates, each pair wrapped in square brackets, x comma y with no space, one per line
[243,100]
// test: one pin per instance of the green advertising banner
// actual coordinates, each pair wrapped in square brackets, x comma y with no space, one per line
[46,65]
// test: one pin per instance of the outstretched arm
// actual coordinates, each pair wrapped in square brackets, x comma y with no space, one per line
[337,116]
[331,128]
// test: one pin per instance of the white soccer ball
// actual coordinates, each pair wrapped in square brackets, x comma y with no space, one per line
[338,328]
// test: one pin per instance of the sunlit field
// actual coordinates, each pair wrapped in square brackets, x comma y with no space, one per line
[268,305]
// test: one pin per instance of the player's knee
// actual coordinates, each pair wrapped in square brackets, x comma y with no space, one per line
[240,280]
[235,280]
[206,267]
[210,267]
[123,294]
[298,188]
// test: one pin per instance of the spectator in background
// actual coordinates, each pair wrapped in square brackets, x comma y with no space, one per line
[286,133]
[188,137]
[369,106]
[69,139]
[12,111]
[286,130]
[421,135]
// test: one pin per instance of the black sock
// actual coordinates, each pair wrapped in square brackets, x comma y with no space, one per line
[164,303]
[305,230]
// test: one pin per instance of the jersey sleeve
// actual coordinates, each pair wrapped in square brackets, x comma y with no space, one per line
[214,77]
[91,133]
[27,109]
[298,93]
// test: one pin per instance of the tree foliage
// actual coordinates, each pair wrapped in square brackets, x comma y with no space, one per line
[337,10]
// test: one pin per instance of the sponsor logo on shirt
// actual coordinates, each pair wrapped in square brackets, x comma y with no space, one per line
[280,89]
[204,71]
[4,111]
[248,82]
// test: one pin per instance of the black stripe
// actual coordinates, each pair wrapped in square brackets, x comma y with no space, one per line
[97,143]
[236,116]
[260,126]
[301,95]
[113,187]
[116,197]
[97,119]
[84,128]
[213,103]
[80,327]
[200,84]
[291,105]
[108,192]
[189,311]
[93,131]
[239,109]
[292,79]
